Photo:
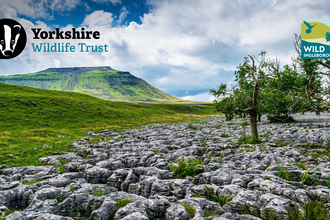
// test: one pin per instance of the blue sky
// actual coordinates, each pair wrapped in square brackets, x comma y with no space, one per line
[75,16]
[183,47]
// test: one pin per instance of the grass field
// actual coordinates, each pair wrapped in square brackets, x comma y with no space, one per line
[31,118]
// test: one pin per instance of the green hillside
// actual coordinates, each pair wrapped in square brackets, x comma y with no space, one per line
[318,31]
[40,122]
[101,82]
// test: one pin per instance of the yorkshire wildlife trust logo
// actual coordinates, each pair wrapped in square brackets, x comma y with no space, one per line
[12,38]
[315,38]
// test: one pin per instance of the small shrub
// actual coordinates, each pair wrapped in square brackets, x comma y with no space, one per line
[316,145]
[122,202]
[220,158]
[98,192]
[301,165]
[314,210]
[244,124]
[209,192]
[256,213]
[191,126]
[251,149]
[284,172]
[212,153]
[185,169]
[254,141]
[71,211]
[221,200]
[191,210]
[304,150]
[305,176]
[79,217]
[262,148]
[59,198]
[327,144]
[207,213]
[72,188]
[269,214]
[308,180]
[267,134]
[243,139]
[204,143]
[217,126]
[63,161]
[224,134]
[9,211]
[325,182]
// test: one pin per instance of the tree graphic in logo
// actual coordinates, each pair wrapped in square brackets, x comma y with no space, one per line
[12,38]
[327,36]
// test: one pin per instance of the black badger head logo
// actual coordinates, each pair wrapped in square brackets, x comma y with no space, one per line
[12,38]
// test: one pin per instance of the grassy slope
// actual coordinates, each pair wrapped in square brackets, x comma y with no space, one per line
[70,114]
[102,82]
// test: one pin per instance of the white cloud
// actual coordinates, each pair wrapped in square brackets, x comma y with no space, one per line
[105,1]
[199,97]
[36,9]
[57,63]
[123,15]
[98,18]
[181,45]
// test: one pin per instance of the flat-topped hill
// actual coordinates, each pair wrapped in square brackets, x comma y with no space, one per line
[102,82]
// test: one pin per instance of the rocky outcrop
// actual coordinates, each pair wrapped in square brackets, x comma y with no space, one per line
[130,176]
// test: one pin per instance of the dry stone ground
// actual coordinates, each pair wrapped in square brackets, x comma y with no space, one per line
[134,165]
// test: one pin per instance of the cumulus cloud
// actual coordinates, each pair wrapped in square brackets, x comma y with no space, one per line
[98,18]
[199,97]
[183,45]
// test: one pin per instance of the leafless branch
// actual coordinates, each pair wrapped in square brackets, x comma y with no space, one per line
[327,74]
[323,64]
[252,70]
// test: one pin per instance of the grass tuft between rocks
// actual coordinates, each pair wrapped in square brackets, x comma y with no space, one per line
[313,210]
[191,210]
[122,202]
[185,169]
[26,182]
[212,196]
[207,213]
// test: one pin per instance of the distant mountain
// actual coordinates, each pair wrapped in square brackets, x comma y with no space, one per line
[102,82]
